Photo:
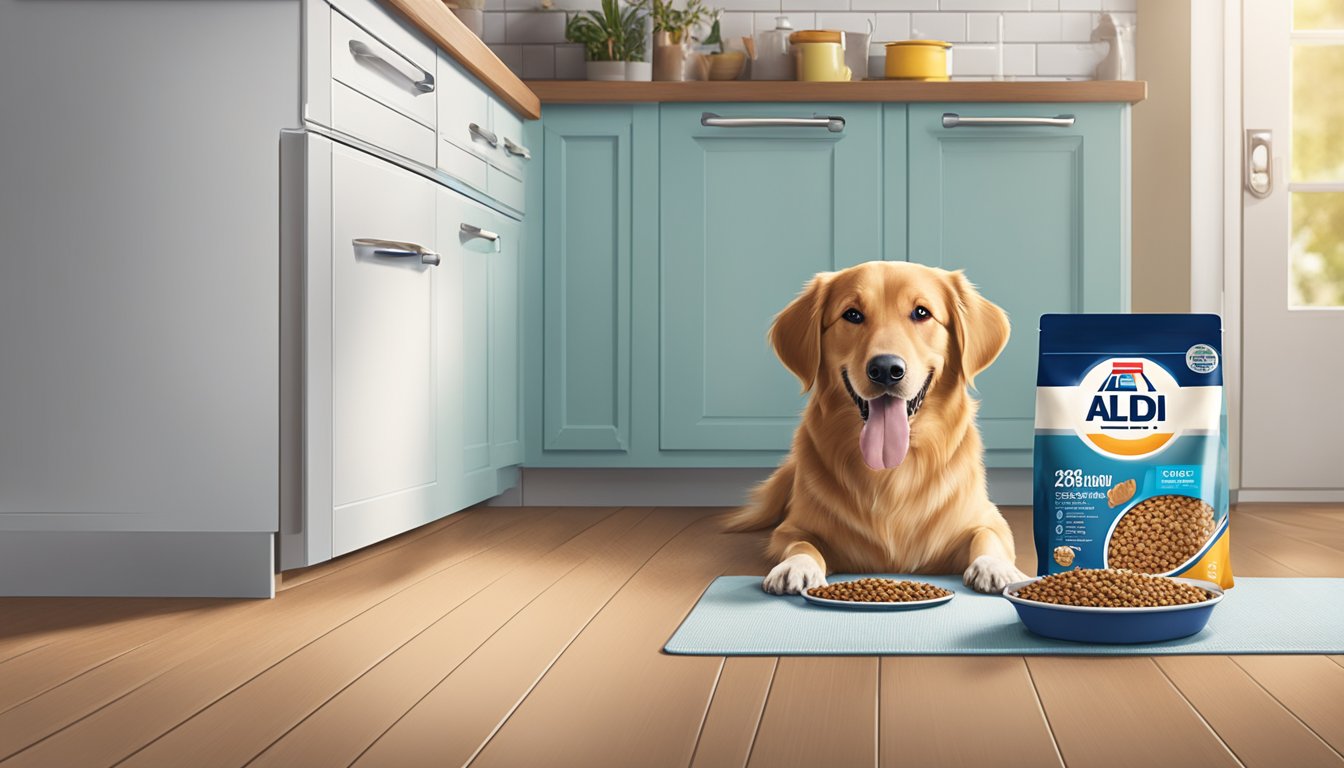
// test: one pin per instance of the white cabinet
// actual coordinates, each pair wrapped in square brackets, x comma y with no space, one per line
[480,140]
[480,360]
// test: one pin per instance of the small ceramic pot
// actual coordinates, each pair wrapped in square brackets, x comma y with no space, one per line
[641,71]
[606,70]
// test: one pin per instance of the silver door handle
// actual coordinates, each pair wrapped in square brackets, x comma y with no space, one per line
[397,249]
[517,149]
[490,138]
[1259,162]
[953,120]
[360,50]
[473,232]
[832,123]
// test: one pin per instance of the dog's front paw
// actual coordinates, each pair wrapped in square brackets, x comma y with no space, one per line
[991,574]
[794,575]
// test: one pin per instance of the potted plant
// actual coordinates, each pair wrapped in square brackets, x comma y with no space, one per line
[610,38]
[673,31]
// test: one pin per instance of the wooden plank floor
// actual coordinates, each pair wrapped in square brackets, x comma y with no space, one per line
[518,637]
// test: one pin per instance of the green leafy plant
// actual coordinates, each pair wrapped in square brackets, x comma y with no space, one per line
[612,34]
[715,38]
[678,23]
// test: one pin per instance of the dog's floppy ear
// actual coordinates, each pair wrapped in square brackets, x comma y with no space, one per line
[796,333]
[979,326]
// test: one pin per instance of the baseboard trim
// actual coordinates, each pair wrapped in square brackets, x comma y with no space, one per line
[137,564]
[706,487]
[1289,495]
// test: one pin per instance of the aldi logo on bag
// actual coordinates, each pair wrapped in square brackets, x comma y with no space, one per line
[1126,407]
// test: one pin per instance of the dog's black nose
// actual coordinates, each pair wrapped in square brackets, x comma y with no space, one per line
[886,369]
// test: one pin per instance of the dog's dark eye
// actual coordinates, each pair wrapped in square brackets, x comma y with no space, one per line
[853,315]
[920,314]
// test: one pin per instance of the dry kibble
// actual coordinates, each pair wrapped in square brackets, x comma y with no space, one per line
[1121,493]
[871,590]
[1160,533]
[1111,589]
[1064,556]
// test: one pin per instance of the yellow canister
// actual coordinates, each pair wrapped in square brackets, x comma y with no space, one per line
[917,60]
[820,55]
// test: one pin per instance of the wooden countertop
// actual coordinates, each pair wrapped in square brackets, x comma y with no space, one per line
[435,20]
[588,92]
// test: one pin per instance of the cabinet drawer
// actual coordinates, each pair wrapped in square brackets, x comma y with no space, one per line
[464,103]
[356,114]
[505,188]
[513,155]
[363,62]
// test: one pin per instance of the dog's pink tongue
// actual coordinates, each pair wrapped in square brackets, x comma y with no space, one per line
[886,434]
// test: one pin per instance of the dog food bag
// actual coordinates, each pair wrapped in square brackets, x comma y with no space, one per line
[1131,446]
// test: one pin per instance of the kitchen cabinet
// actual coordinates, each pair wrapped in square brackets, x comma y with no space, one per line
[749,210]
[665,247]
[1035,214]
[480,361]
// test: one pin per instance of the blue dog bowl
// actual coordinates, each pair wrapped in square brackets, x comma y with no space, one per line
[1085,624]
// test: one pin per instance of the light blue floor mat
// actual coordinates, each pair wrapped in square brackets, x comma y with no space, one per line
[734,617]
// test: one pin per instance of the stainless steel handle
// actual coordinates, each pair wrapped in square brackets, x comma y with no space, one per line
[472,231]
[517,149]
[360,50]
[1259,162]
[397,249]
[490,137]
[953,120]
[832,123]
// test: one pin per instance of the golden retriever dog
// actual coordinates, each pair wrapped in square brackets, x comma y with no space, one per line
[886,473]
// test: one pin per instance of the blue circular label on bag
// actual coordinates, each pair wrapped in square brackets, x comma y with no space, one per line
[1201,358]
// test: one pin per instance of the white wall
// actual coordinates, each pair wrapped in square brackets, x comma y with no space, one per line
[1043,38]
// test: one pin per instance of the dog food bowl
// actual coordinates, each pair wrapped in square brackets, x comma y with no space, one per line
[1085,624]
[854,605]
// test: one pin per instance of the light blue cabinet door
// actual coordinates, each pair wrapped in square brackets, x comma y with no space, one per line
[506,371]
[747,215]
[1039,219]
[586,268]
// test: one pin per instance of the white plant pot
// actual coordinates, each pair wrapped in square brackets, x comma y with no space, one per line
[639,70]
[606,70]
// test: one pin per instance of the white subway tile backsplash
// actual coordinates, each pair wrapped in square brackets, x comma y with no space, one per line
[539,62]
[976,60]
[1033,27]
[511,55]
[847,22]
[984,5]
[569,62]
[893,5]
[938,26]
[1044,38]
[546,27]
[493,31]
[1070,59]
[892,26]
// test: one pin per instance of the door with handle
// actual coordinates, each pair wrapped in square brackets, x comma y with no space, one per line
[1292,250]
[1031,203]
[755,199]
[384,389]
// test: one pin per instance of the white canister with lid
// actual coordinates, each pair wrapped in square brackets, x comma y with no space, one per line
[773,60]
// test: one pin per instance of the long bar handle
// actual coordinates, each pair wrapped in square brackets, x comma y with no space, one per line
[518,150]
[397,249]
[832,123]
[489,136]
[953,120]
[360,50]
[472,231]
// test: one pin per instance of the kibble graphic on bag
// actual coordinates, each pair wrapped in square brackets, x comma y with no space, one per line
[1131,446]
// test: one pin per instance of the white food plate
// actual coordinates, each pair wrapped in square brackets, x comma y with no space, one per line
[855,605]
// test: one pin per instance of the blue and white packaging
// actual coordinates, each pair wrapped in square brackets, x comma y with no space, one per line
[1130,416]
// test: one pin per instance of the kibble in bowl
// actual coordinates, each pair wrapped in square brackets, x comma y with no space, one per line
[1113,606]
[875,593]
